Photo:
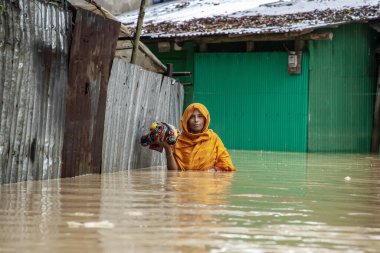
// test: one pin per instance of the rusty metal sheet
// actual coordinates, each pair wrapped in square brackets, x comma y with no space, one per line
[92,52]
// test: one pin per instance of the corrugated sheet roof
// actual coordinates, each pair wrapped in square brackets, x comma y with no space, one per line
[189,18]
[145,58]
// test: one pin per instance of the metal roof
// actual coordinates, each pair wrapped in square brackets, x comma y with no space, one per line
[195,18]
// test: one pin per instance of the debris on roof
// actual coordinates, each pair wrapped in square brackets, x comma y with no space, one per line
[211,17]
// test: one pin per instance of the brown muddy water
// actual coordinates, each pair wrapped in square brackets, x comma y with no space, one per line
[275,202]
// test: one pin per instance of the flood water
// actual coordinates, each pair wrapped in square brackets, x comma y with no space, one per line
[275,202]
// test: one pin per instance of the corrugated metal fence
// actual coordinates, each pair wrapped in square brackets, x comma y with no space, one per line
[342,78]
[33,78]
[134,101]
[34,122]
[273,106]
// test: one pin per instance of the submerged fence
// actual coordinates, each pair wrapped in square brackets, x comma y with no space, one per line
[35,92]
[136,98]
[33,78]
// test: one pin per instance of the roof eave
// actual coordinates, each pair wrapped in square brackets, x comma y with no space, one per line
[303,34]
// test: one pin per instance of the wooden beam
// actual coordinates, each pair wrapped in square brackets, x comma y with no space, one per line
[317,36]
[299,44]
[250,46]
[138,32]
[246,37]
[202,47]
[304,35]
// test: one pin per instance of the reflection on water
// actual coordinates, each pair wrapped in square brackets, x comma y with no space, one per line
[276,202]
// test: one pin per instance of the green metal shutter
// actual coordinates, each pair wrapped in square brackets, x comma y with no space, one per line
[254,103]
[342,78]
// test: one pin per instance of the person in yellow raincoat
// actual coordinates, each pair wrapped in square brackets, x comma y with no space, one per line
[198,147]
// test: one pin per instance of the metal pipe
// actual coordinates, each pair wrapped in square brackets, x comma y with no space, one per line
[181,73]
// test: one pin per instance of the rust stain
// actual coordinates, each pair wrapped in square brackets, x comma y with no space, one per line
[92,52]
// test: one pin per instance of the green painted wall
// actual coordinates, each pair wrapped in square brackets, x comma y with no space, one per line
[254,103]
[342,79]
[339,99]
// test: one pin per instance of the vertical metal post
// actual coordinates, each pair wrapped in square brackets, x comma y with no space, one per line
[138,31]
[169,70]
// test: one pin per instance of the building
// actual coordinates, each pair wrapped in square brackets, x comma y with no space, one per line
[295,76]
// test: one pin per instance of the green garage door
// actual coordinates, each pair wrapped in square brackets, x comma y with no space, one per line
[254,103]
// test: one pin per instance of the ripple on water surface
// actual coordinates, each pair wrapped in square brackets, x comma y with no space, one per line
[275,202]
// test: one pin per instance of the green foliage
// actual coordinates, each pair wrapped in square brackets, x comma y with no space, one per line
[1,8]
